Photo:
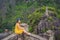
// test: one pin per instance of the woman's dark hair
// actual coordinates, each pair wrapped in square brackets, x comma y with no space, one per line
[17,19]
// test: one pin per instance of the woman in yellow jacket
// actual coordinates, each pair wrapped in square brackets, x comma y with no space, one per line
[19,30]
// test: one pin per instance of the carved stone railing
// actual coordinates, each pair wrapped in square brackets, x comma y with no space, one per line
[35,37]
[48,34]
[27,37]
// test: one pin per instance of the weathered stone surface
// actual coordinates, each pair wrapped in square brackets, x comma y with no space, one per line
[2,35]
[27,37]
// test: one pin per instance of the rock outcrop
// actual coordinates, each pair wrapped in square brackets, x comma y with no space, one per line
[49,21]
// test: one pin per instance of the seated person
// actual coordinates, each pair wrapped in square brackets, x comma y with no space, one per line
[20,30]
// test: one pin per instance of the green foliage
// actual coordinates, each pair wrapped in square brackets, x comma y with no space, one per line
[34,18]
[58,15]
[44,30]
[52,9]
[23,9]
[52,28]
[31,29]
[36,15]
[1,30]
[50,19]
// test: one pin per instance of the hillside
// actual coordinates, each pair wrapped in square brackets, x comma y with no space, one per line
[31,12]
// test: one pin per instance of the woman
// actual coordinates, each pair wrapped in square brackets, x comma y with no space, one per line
[19,30]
